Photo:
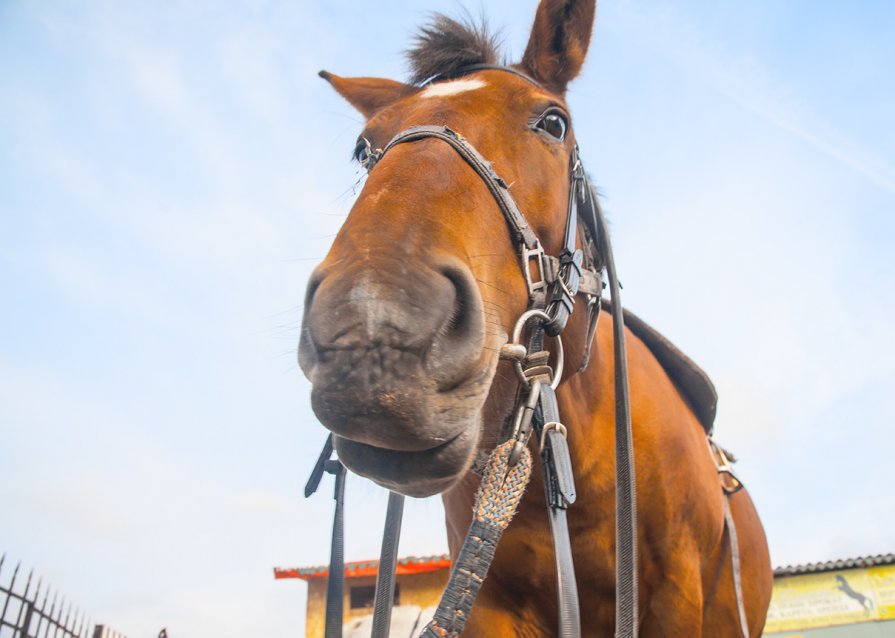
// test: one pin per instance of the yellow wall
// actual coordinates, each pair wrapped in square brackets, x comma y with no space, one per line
[420,590]
[816,600]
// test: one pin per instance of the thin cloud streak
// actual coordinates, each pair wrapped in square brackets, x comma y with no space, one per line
[665,29]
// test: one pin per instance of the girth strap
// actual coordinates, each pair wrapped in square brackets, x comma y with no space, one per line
[735,564]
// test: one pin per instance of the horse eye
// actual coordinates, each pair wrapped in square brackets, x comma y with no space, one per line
[555,125]
[362,152]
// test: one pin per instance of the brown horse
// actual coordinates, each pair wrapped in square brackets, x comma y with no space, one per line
[405,318]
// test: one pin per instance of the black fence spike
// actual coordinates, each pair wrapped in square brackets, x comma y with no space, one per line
[28,582]
[67,616]
[15,573]
[23,616]
[59,613]
[44,616]
[9,593]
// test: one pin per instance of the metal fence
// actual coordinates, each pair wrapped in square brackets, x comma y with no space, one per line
[36,611]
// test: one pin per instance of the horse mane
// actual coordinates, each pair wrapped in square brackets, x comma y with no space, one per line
[444,46]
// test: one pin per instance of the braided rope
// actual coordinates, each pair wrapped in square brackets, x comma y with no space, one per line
[496,501]
[502,487]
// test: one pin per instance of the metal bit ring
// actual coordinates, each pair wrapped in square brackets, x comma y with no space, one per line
[560,355]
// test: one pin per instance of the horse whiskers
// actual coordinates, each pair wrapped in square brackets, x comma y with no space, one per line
[490,285]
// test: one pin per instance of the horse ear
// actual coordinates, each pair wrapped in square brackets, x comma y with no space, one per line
[558,42]
[368,95]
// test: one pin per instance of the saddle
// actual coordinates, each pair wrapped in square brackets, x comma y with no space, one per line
[690,380]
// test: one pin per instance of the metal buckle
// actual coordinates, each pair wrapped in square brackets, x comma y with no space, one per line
[553,425]
[529,254]
[722,464]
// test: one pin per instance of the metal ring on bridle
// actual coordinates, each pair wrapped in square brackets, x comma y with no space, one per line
[560,355]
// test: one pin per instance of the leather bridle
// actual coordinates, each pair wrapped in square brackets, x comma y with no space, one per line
[554,283]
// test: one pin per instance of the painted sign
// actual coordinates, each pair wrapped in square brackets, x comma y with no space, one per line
[832,598]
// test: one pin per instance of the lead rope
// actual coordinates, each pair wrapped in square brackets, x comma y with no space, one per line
[496,501]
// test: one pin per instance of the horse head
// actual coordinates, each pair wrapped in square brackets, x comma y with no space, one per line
[405,317]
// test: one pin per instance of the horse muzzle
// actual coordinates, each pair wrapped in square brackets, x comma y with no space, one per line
[396,354]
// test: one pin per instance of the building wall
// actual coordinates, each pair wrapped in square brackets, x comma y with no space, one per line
[419,590]
[848,602]
[852,603]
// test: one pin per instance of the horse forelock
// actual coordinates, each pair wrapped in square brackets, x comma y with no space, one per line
[444,46]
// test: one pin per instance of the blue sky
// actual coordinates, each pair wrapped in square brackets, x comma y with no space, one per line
[170,174]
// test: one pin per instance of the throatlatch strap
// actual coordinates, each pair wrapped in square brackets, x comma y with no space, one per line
[384,598]
[496,501]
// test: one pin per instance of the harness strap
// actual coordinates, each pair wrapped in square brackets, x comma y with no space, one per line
[735,561]
[627,620]
[730,485]
[559,485]
[335,583]
[335,580]
[384,598]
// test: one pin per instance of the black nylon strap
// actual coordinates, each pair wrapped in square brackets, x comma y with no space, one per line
[384,598]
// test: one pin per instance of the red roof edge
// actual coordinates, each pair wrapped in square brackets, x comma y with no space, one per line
[359,569]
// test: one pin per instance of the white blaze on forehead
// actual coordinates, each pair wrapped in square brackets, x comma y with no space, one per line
[454,87]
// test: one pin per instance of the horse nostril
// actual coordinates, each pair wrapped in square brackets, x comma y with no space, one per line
[459,340]
[459,319]
[466,302]
[313,284]
[307,350]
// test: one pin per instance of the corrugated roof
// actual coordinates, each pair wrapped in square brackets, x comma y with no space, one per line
[834,565]
[407,565]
